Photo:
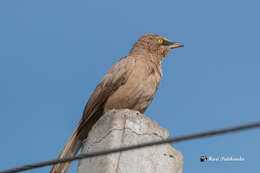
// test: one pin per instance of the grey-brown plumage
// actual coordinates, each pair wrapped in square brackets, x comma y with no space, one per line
[131,83]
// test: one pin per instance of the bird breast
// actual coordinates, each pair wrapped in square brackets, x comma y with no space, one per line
[139,89]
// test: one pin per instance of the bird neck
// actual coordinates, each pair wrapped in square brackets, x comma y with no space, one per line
[153,56]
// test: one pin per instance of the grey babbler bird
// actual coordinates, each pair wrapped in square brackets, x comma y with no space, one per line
[131,83]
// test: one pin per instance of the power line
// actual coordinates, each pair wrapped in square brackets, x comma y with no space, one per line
[127,148]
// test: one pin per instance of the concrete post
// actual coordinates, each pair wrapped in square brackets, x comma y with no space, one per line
[126,127]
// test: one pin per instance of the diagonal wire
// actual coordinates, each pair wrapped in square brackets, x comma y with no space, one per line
[133,147]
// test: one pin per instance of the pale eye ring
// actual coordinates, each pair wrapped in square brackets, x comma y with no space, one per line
[160,41]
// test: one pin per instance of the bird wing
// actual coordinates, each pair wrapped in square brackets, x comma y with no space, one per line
[116,77]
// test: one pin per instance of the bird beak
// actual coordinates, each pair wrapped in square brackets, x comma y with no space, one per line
[175,45]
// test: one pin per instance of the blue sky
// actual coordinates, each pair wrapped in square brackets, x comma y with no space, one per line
[53,54]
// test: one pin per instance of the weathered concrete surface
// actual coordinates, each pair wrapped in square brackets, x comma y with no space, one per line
[126,127]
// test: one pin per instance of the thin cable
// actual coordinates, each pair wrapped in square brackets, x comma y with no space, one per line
[148,144]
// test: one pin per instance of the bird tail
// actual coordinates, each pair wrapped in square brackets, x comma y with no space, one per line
[71,148]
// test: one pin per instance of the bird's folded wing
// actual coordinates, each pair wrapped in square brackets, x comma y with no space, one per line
[116,77]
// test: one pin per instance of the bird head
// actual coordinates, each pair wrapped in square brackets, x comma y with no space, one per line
[155,45]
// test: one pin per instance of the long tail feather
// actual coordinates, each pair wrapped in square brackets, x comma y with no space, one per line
[71,149]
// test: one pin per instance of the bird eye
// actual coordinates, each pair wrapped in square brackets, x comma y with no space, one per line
[160,41]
